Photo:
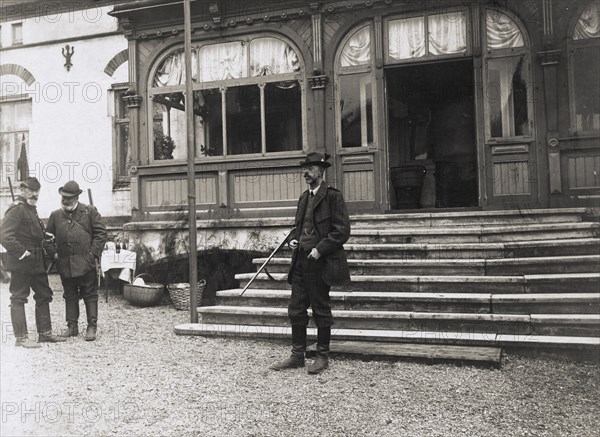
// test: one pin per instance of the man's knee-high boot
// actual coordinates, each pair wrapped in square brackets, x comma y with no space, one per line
[19,324]
[91,309]
[298,350]
[72,316]
[322,361]
[44,325]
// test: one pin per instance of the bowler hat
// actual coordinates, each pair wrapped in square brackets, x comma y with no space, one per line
[316,158]
[31,183]
[71,189]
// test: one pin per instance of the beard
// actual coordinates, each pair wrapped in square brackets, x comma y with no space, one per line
[32,201]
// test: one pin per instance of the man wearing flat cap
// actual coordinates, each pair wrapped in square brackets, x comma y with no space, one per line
[80,238]
[319,261]
[23,236]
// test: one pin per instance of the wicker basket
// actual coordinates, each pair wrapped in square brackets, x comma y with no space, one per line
[146,295]
[180,294]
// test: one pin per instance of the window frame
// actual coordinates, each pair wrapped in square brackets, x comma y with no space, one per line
[513,52]
[222,86]
[572,46]
[14,40]
[11,100]
[119,179]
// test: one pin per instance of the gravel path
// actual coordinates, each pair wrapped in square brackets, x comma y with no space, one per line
[140,379]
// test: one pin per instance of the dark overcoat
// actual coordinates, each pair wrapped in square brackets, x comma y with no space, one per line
[22,230]
[80,239]
[332,226]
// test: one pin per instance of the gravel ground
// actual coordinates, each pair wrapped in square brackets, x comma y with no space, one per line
[141,379]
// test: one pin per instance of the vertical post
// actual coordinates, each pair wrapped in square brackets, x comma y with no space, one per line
[191,171]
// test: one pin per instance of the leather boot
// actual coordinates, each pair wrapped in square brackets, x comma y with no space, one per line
[91,309]
[298,350]
[322,361]
[19,323]
[72,316]
[44,326]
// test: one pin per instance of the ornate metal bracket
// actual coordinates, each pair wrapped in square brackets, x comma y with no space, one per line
[67,53]
[318,82]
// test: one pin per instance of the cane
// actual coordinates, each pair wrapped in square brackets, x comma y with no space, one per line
[267,261]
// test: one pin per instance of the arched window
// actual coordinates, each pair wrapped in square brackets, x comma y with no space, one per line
[584,71]
[507,74]
[247,100]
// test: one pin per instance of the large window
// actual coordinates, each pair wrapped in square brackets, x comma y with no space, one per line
[507,88]
[585,71]
[15,118]
[247,100]
[121,145]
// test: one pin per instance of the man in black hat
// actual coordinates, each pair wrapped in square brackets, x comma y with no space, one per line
[319,261]
[80,238]
[22,236]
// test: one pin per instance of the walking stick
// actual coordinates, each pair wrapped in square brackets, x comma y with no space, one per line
[267,261]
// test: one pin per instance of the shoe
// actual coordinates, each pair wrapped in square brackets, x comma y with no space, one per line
[90,333]
[26,343]
[321,363]
[70,331]
[91,309]
[296,360]
[292,362]
[50,338]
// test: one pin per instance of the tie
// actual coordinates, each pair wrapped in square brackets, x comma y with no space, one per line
[312,194]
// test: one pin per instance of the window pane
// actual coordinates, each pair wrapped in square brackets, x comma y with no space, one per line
[357,50]
[356,109]
[223,61]
[209,122]
[406,38]
[283,116]
[17,33]
[502,31]
[506,93]
[588,25]
[586,70]
[243,120]
[123,147]
[272,56]
[172,70]
[168,119]
[447,33]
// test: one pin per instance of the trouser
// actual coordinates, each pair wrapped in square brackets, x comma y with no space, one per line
[20,286]
[83,287]
[309,289]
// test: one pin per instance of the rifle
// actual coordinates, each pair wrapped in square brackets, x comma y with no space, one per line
[267,261]
[97,265]
[12,194]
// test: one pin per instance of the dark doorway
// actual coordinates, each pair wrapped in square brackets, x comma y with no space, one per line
[431,135]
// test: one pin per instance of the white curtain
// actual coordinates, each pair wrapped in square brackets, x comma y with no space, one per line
[406,38]
[172,70]
[588,25]
[272,56]
[223,61]
[447,33]
[502,32]
[357,50]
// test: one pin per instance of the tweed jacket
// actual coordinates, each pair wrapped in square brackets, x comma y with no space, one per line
[22,230]
[80,239]
[332,225]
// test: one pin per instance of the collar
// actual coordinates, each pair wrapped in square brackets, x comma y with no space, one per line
[314,192]
[71,211]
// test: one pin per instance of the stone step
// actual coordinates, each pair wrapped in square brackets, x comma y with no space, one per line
[408,350]
[545,283]
[474,234]
[462,218]
[517,249]
[567,345]
[491,267]
[519,324]
[552,303]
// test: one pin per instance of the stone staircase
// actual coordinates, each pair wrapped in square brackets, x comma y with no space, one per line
[528,281]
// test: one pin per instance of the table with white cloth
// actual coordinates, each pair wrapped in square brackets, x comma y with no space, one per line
[119,265]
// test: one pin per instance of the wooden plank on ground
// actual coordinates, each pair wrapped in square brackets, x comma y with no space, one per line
[412,350]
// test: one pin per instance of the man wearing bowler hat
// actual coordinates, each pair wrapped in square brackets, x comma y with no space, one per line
[80,238]
[319,261]
[22,236]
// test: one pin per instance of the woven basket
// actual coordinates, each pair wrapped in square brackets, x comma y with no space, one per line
[180,294]
[146,295]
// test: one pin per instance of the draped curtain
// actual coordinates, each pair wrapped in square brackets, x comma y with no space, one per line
[272,56]
[357,50]
[588,25]
[223,61]
[172,70]
[407,38]
[447,33]
[502,32]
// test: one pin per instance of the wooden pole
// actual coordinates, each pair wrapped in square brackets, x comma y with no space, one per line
[191,171]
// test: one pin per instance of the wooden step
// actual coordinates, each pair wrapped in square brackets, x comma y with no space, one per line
[546,303]
[545,283]
[408,350]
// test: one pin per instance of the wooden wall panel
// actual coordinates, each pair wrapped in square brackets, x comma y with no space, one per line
[511,178]
[267,186]
[584,172]
[173,192]
[359,185]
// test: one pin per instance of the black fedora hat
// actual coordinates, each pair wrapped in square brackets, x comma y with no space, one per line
[31,183]
[71,189]
[316,158]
